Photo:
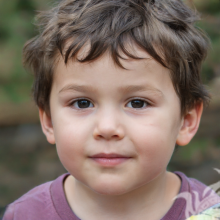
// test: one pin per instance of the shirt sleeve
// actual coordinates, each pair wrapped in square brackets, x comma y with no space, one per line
[212,213]
[9,213]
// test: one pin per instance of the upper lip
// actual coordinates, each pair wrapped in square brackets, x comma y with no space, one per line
[108,155]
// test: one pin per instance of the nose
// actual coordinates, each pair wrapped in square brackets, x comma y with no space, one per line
[108,126]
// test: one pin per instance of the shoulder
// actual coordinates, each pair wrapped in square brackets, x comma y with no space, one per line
[198,196]
[33,201]
[35,204]
[210,213]
[198,188]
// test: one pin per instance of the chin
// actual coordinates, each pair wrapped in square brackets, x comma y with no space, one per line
[110,188]
[111,191]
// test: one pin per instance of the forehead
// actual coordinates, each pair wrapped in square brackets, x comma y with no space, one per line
[104,75]
[127,62]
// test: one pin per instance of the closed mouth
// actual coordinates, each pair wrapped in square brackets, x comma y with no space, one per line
[109,156]
[109,160]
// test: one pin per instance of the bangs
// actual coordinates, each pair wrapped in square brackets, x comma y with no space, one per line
[165,29]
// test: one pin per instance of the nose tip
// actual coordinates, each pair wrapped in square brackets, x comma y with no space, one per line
[108,131]
[108,135]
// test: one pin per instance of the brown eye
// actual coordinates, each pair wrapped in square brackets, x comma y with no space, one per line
[137,103]
[82,103]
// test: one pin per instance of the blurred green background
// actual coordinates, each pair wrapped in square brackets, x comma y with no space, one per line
[26,159]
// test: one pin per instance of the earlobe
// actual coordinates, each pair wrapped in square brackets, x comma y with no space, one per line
[190,125]
[47,126]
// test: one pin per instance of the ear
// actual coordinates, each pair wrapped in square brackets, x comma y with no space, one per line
[47,126]
[190,125]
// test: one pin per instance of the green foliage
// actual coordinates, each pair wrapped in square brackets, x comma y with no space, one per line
[217,142]
[210,24]
[16,27]
[200,149]
[15,92]
[195,146]
[208,6]
[207,73]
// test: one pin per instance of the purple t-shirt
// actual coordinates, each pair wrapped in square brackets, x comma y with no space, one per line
[48,202]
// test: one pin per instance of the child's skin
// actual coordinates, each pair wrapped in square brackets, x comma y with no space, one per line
[136,185]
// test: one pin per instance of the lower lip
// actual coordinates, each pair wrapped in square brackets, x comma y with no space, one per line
[110,161]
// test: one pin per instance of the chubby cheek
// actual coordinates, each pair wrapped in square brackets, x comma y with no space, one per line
[70,142]
[69,154]
[154,145]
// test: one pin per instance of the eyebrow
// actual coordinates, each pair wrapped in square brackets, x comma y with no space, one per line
[137,88]
[125,89]
[78,88]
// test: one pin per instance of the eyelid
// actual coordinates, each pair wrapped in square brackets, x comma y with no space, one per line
[78,99]
[142,99]
[149,103]
[139,98]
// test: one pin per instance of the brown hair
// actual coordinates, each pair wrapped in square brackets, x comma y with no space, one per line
[163,28]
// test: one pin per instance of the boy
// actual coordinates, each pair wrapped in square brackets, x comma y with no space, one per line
[117,83]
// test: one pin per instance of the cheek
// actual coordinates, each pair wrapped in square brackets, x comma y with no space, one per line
[70,142]
[71,131]
[154,148]
[154,143]
[69,152]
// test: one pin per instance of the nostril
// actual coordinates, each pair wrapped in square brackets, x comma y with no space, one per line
[108,134]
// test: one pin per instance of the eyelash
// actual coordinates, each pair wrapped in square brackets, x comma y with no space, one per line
[77,100]
[146,103]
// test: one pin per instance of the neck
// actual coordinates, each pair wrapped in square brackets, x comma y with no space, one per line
[156,196]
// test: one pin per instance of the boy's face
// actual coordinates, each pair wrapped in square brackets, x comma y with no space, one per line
[132,114]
